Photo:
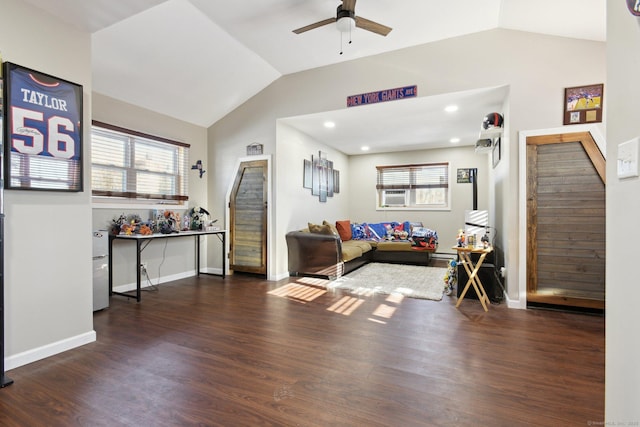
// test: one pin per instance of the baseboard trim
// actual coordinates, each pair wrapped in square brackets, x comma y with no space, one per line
[516,303]
[210,270]
[278,277]
[128,287]
[48,350]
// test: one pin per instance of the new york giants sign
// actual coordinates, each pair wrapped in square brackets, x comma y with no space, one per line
[43,118]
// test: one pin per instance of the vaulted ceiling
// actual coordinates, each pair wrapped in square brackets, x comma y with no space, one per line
[197,60]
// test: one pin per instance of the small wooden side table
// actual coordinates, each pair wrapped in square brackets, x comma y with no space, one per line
[464,253]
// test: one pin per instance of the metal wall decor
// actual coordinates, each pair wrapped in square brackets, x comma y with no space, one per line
[320,177]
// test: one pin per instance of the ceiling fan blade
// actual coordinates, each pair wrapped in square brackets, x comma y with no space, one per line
[374,27]
[349,5]
[316,25]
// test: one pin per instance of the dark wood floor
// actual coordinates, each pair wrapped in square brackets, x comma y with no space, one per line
[208,351]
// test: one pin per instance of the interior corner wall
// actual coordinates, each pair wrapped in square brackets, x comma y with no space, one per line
[622,103]
[296,206]
[534,66]
[362,203]
[499,189]
[48,293]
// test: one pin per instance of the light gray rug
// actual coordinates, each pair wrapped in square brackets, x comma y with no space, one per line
[409,280]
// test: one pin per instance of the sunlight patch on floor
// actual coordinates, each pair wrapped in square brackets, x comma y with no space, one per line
[315,281]
[395,298]
[364,292]
[385,311]
[297,292]
[346,305]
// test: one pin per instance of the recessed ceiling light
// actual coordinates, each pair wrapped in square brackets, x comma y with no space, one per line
[454,140]
[364,148]
[451,108]
[329,125]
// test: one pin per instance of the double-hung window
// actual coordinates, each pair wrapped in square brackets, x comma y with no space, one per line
[419,186]
[131,165]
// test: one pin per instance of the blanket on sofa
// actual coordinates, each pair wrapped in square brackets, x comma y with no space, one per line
[379,231]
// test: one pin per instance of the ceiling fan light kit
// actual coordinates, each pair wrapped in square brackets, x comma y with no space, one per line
[345,25]
[346,20]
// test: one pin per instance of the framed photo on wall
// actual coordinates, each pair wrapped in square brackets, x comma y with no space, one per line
[43,131]
[583,104]
[496,153]
[464,176]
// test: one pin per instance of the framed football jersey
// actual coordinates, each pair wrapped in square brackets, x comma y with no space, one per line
[43,131]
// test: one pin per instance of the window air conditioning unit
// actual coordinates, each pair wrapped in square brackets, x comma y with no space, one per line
[394,197]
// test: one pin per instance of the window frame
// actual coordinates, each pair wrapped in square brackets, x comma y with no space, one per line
[129,197]
[411,184]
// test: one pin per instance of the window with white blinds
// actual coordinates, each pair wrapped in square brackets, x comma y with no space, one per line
[420,186]
[132,165]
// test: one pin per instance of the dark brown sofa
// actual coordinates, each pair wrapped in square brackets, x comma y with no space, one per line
[326,255]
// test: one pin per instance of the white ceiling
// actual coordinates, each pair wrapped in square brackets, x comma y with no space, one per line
[197,60]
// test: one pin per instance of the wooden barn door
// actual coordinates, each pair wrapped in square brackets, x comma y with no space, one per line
[565,221]
[248,219]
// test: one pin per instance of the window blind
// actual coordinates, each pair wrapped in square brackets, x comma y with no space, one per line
[432,175]
[133,165]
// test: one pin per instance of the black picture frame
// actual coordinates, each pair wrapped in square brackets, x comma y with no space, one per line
[43,118]
[496,152]
[464,176]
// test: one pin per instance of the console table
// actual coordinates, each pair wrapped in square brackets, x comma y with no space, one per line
[143,241]
[464,253]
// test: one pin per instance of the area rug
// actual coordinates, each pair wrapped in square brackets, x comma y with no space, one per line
[409,280]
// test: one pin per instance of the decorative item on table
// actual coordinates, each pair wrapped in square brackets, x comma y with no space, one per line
[210,227]
[116,224]
[485,241]
[145,230]
[126,224]
[168,222]
[461,238]
[471,240]
[197,215]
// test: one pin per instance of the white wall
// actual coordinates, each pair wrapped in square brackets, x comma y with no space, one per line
[295,206]
[48,292]
[537,68]
[622,384]
[177,260]
[362,203]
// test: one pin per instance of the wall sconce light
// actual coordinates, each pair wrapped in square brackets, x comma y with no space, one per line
[198,166]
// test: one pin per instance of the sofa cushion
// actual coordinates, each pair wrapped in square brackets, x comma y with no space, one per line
[332,227]
[365,246]
[320,229]
[344,229]
[350,252]
[352,249]
[395,245]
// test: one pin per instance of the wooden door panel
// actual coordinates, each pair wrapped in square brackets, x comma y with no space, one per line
[248,213]
[565,221]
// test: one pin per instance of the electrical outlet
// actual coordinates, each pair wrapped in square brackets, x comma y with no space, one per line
[143,266]
[503,271]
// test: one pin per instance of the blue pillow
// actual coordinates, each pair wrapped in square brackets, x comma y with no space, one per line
[358,232]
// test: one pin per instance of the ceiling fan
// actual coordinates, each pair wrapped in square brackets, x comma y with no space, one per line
[346,20]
